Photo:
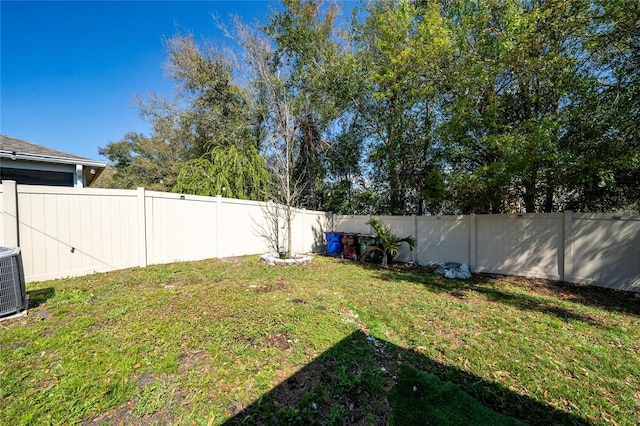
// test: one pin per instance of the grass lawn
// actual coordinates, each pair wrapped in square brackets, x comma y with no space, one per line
[233,341]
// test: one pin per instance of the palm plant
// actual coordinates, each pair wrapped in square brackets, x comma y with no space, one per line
[390,242]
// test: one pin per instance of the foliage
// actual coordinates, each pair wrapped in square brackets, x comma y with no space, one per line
[234,340]
[231,172]
[304,35]
[402,48]
[152,162]
[210,119]
[417,106]
[390,242]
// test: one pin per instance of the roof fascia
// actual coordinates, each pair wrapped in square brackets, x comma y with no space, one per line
[51,159]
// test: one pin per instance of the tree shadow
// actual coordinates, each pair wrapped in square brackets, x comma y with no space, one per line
[38,297]
[353,383]
[619,301]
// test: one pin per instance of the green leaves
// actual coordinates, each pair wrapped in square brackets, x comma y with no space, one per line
[417,107]
[390,242]
[232,172]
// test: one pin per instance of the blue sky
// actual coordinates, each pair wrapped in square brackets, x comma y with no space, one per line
[70,70]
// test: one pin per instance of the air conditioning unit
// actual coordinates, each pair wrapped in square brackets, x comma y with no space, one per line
[13,294]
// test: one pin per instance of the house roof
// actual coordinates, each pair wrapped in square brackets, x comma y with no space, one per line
[17,149]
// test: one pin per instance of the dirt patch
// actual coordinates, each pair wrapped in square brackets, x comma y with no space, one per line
[145,379]
[123,416]
[451,336]
[192,359]
[93,329]
[617,300]
[279,341]
[278,285]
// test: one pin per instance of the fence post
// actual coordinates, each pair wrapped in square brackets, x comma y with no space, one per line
[415,235]
[10,214]
[142,227]
[472,242]
[304,231]
[218,210]
[565,267]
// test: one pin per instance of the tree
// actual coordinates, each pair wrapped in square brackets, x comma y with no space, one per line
[152,162]
[401,48]
[206,140]
[230,171]
[303,32]
[390,242]
[516,68]
[268,77]
[601,125]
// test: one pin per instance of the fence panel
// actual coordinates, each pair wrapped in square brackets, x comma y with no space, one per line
[179,227]
[355,224]
[443,239]
[240,223]
[67,231]
[309,227]
[74,231]
[605,251]
[529,245]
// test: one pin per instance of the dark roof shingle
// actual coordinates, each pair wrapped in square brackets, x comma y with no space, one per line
[18,146]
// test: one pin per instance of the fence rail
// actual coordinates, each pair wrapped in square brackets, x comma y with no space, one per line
[74,231]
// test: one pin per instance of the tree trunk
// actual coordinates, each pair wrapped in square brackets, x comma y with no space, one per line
[529,197]
[385,262]
[548,202]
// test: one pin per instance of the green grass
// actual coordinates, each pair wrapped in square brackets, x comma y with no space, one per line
[334,342]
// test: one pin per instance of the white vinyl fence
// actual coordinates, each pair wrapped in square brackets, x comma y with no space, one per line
[596,249]
[74,231]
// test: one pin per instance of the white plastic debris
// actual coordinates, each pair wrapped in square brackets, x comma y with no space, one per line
[451,270]
[415,388]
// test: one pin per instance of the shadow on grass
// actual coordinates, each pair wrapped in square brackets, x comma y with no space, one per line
[364,380]
[38,297]
[603,298]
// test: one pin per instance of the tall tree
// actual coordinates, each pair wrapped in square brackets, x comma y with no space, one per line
[601,127]
[516,66]
[401,48]
[210,125]
[304,35]
[269,76]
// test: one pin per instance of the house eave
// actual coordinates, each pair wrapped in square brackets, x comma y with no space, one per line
[51,159]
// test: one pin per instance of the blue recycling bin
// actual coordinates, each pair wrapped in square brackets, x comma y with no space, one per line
[334,243]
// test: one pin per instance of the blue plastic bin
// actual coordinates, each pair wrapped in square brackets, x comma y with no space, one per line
[334,243]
